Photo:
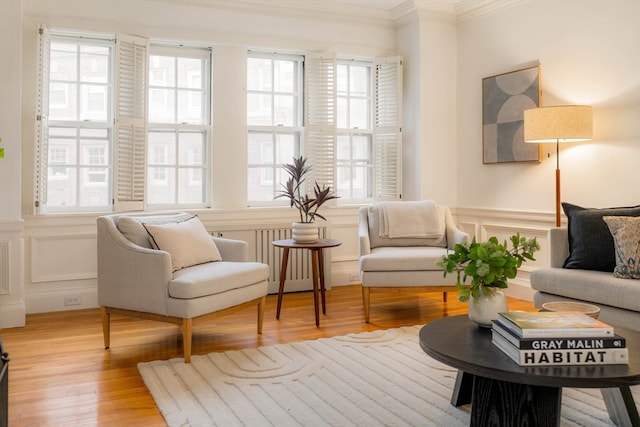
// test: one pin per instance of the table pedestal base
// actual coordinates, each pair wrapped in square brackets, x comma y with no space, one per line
[503,403]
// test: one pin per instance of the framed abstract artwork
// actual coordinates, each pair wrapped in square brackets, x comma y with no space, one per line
[504,99]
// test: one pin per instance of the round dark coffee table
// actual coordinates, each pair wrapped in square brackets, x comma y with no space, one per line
[503,393]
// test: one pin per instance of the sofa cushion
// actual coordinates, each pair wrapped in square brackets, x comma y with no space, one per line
[188,242]
[590,242]
[410,258]
[374,219]
[595,287]
[216,277]
[131,226]
[626,237]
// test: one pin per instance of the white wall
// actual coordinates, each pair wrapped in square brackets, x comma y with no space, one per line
[589,53]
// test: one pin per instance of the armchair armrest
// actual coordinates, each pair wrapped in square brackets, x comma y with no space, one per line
[364,243]
[232,250]
[454,234]
[130,276]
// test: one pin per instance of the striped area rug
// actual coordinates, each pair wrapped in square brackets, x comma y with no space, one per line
[380,378]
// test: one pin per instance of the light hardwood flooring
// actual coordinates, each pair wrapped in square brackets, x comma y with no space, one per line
[60,374]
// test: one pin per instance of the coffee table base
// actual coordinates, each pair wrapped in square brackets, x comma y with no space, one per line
[496,402]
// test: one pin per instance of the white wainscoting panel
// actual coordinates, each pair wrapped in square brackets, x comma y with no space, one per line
[5,268]
[61,258]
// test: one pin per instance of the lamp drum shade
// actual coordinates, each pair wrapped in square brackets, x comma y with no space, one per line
[562,123]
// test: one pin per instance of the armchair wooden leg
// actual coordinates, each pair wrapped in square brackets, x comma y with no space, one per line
[366,302]
[444,297]
[261,305]
[186,339]
[106,327]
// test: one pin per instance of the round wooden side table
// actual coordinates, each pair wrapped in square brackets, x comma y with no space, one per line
[317,267]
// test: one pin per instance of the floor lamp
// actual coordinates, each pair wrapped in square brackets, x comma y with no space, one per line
[562,123]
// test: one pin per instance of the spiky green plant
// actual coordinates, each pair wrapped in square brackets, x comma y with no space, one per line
[489,264]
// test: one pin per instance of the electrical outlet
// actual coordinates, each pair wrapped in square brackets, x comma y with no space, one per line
[354,277]
[72,301]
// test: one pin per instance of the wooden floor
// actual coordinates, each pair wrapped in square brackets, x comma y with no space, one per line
[60,373]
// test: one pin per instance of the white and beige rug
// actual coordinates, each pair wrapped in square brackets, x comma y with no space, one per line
[380,378]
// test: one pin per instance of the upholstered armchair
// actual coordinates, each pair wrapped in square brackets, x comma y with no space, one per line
[402,257]
[167,267]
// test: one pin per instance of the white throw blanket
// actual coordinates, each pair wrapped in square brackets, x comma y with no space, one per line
[421,219]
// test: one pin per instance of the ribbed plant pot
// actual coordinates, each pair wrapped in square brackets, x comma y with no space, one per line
[485,307]
[304,232]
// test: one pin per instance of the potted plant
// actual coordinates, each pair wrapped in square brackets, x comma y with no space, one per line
[489,265]
[294,190]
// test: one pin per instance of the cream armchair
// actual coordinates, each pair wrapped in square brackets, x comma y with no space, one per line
[138,280]
[404,263]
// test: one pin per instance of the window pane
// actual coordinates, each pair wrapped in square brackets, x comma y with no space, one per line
[343,113]
[260,148]
[93,103]
[61,187]
[259,74]
[362,148]
[162,148]
[191,149]
[284,76]
[259,109]
[343,80]
[191,182]
[63,103]
[162,71]
[63,65]
[284,113]
[94,64]
[359,82]
[359,113]
[190,107]
[161,185]
[286,148]
[260,184]
[94,188]
[162,106]
[190,73]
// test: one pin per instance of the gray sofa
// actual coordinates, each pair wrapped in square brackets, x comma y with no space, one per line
[618,299]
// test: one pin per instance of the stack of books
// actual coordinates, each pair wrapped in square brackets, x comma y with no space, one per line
[558,338]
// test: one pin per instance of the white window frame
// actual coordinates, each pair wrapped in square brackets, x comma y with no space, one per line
[203,127]
[272,174]
[126,123]
[74,169]
[321,125]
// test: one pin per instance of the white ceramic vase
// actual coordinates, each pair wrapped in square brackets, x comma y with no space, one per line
[486,307]
[304,232]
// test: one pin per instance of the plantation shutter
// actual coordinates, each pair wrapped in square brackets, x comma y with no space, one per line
[131,99]
[42,127]
[320,118]
[387,129]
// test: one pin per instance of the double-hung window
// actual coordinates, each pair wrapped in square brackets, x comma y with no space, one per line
[120,127]
[353,134]
[77,162]
[354,160]
[179,126]
[274,121]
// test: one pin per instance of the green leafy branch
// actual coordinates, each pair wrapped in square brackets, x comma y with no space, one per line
[489,264]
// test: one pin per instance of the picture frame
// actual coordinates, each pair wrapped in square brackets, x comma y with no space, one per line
[504,98]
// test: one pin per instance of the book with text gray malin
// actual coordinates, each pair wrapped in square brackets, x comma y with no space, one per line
[554,324]
[602,356]
[569,343]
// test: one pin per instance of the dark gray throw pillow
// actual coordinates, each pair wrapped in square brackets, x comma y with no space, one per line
[590,241]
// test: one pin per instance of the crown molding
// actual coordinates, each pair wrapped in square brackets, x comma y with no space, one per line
[467,10]
[329,10]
